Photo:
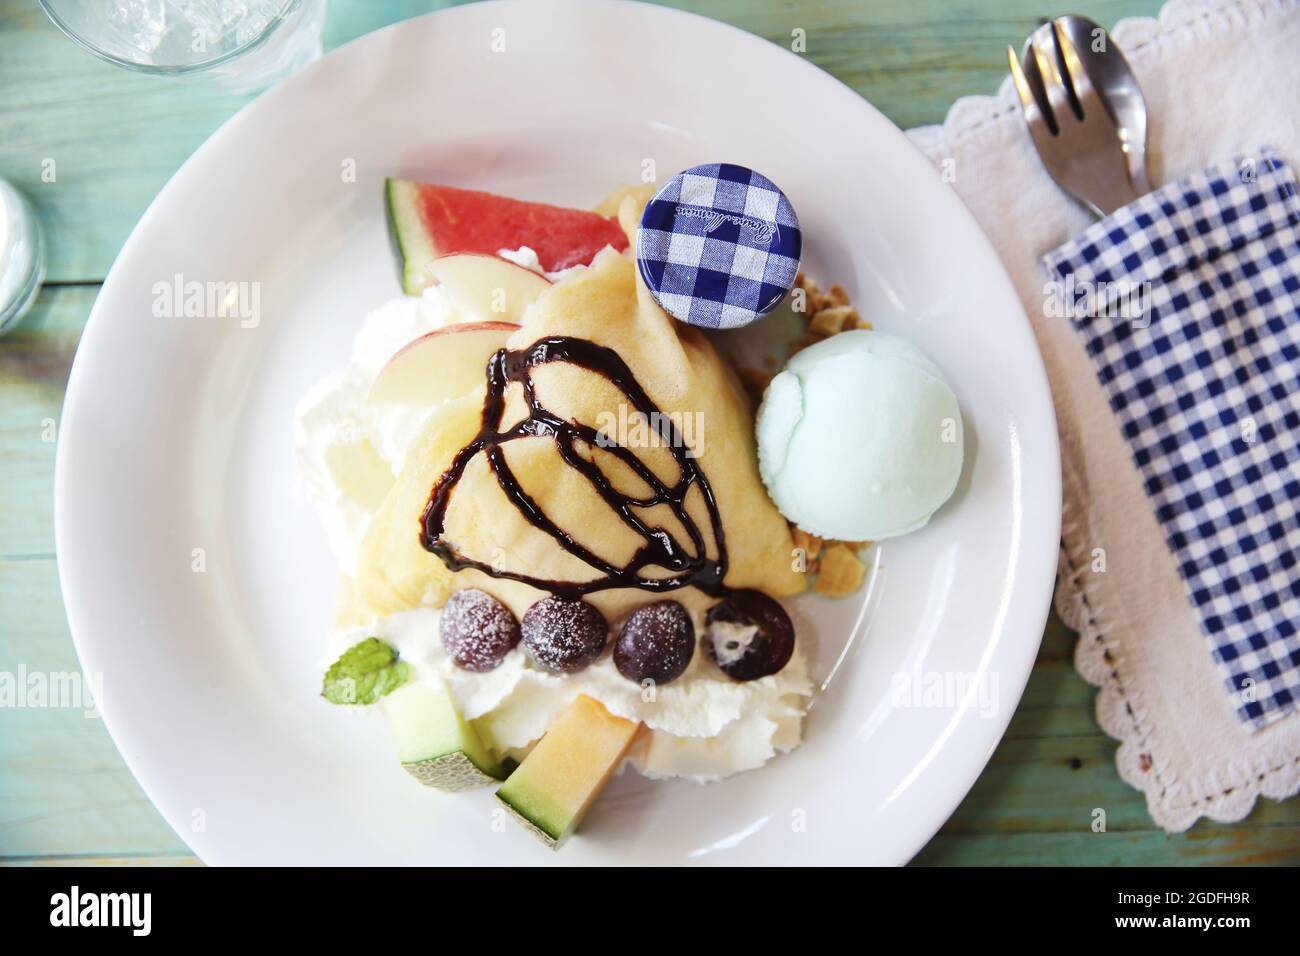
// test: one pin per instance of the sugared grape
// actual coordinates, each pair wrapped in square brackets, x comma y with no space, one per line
[656,643]
[564,635]
[478,631]
[749,635]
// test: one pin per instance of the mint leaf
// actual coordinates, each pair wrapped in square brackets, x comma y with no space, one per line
[364,673]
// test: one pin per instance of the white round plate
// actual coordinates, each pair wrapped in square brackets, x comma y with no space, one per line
[197,579]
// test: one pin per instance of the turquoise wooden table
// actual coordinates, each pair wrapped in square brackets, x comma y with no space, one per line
[114,138]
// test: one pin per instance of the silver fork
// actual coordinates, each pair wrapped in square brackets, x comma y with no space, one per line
[1075,134]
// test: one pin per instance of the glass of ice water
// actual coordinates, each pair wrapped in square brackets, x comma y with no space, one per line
[245,44]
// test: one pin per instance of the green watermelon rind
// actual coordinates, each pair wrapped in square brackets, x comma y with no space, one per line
[410,238]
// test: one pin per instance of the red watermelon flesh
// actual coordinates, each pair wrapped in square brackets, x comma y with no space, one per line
[430,221]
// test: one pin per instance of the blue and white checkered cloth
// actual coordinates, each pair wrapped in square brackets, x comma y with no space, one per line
[719,246]
[1188,301]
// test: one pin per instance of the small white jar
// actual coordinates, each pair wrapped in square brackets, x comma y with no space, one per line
[22,256]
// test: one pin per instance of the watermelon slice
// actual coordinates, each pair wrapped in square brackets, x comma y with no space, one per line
[429,221]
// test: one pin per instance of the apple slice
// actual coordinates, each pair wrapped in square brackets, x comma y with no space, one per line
[486,287]
[447,363]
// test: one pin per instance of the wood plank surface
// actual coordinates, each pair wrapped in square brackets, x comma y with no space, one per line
[113,138]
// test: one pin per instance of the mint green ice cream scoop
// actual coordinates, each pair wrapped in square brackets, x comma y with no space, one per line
[860,437]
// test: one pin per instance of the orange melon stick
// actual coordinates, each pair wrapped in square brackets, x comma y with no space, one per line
[555,785]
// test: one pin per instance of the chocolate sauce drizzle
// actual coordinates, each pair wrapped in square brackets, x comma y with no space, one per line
[660,549]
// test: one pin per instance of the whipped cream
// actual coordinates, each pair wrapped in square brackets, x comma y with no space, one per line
[526,257]
[704,726]
[347,449]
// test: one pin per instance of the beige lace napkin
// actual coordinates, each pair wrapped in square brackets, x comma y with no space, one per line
[1221,77]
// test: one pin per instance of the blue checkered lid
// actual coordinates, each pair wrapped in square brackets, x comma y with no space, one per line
[719,246]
